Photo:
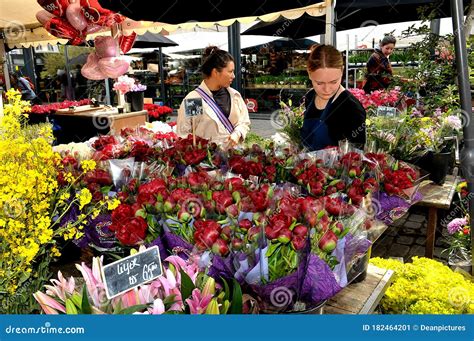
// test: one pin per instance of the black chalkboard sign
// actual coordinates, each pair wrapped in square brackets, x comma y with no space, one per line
[193,107]
[131,271]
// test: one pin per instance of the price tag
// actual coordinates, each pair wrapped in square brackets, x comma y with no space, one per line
[193,107]
[132,271]
[387,111]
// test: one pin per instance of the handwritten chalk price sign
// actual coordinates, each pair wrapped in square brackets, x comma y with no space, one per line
[132,271]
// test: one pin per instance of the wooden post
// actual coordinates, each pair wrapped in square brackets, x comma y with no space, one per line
[194,130]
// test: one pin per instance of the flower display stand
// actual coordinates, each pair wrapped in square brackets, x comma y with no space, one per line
[436,197]
[362,297]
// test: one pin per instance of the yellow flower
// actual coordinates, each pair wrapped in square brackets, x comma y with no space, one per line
[88,165]
[113,204]
[85,197]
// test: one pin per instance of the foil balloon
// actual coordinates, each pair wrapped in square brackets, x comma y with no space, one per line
[126,42]
[75,17]
[113,67]
[93,28]
[95,14]
[44,16]
[105,47]
[91,69]
[55,7]
[60,28]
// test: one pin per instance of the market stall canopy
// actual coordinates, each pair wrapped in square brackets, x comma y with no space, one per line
[180,11]
[192,41]
[281,44]
[149,39]
[351,14]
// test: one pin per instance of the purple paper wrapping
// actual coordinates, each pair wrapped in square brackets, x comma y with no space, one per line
[312,283]
[319,283]
[392,207]
[97,233]
[171,241]
[355,246]
[222,268]
[161,248]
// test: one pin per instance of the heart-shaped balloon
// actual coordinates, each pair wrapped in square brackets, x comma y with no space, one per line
[56,7]
[126,42]
[93,28]
[44,16]
[91,69]
[94,13]
[60,28]
[106,47]
[113,67]
[75,17]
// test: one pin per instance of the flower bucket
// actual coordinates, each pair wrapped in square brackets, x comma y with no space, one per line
[135,98]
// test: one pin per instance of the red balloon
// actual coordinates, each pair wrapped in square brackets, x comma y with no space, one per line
[60,28]
[95,14]
[126,42]
[56,7]
[44,16]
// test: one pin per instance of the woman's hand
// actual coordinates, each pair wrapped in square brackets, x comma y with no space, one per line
[232,141]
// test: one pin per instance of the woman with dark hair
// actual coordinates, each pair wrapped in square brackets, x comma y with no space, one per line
[332,113]
[379,70]
[224,119]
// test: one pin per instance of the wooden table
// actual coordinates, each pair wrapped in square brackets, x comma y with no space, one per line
[79,127]
[362,297]
[436,197]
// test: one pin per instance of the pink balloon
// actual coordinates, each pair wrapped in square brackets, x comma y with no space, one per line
[75,17]
[106,47]
[91,69]
[93,28]
[113,67]
[44,16]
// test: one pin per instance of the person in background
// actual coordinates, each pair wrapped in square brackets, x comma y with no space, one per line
[23,85]
[332,113]
[224,119]
[379,70]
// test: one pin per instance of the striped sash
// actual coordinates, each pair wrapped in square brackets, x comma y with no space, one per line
[214,106]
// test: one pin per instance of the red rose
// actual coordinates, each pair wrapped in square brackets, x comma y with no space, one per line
[121,213]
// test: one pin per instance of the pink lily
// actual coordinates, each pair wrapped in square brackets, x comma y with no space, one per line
[61,286]
[49,305]
[198,302]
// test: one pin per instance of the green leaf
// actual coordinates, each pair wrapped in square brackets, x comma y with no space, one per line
[224,307]
[187,286]
[226,289]
[133,309]
[272,249]
[105,189]
[76,299]
[85,305]
[236,305]
[169,300]
[70,307]
[334,182]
